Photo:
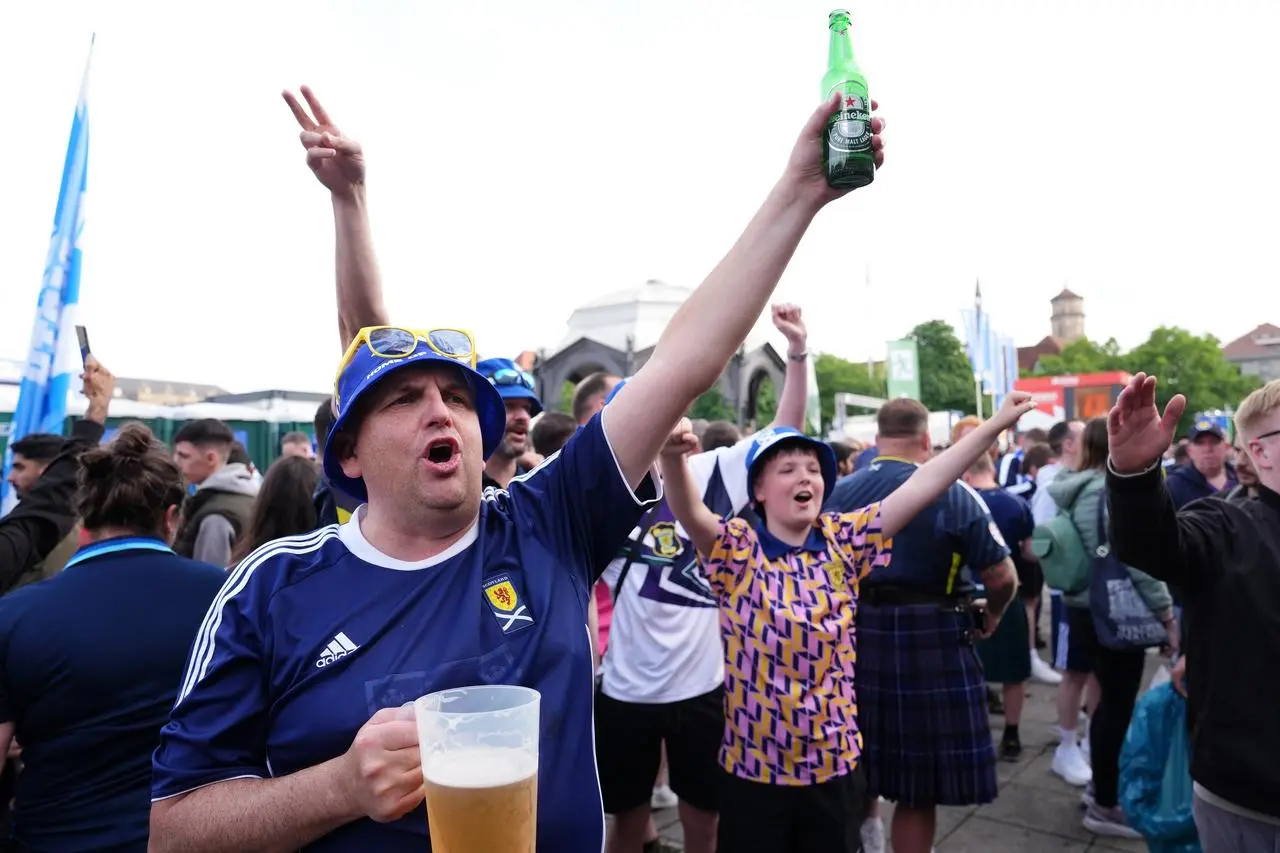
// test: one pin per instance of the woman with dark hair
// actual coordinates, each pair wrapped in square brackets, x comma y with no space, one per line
[284,506]
[91,660]
[1119,671]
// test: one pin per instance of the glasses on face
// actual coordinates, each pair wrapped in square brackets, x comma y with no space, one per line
[1271,434]
[395,342]
[512,377]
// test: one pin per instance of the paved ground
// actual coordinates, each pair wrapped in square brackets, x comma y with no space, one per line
[1036,811]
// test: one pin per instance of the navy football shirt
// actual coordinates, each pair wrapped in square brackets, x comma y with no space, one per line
[1012,515]
[90,663]
[930,554]
[314,634]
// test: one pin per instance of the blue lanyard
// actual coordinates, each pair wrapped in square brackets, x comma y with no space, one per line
[114,546]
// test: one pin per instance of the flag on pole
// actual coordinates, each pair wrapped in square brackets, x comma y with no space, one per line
[813,402]
[51,360]
[1009,356]
[974,323]
[986,344]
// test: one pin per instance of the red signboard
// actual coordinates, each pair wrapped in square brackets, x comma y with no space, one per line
[1076,397]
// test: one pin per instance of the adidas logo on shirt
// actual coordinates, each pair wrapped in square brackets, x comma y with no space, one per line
[339,647]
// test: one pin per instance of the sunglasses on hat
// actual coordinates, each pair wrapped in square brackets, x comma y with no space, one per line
[396,342]
[511,377]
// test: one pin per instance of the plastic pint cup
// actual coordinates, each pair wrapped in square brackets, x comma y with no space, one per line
[480,768]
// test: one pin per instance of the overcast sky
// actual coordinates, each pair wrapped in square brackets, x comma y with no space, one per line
[528,157]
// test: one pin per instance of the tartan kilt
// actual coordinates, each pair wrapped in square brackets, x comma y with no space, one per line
[922,707]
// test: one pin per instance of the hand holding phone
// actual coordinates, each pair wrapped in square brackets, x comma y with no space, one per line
[83,337]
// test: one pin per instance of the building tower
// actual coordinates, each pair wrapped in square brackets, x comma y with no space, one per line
[1067,320]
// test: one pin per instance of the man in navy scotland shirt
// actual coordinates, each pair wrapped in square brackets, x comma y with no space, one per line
[287,732]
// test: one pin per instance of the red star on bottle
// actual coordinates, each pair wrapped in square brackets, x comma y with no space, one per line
[850,101]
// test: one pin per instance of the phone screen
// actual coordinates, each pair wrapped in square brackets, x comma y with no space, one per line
[83,337]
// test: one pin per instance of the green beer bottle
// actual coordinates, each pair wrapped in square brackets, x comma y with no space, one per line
[847,158]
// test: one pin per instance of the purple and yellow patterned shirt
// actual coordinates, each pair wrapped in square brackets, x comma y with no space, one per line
[786,617]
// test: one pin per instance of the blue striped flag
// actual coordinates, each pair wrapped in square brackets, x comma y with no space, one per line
[1009,356]
[52,359]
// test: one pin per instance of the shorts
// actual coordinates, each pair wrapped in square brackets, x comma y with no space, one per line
[629,739]
[1030,580]
[825,818]
[1074,637]
[1005,654]
[922,706]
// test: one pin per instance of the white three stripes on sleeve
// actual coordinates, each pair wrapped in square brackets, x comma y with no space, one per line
[202,649]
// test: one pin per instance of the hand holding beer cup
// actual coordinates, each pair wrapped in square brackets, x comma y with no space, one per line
[480,766]
[385,778]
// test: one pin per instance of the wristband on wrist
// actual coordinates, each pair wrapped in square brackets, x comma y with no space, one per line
[1111,468]
[800,356]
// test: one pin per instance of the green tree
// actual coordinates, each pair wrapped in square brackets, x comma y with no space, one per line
[766,402]
[1193,366]
[711,406]
[1083,356]
[564,404]
[946,381]
[835,374]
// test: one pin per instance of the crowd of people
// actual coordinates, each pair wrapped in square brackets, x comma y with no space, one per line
[780,633]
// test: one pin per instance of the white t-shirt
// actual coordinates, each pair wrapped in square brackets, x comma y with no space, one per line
[664,640]
[1043,506]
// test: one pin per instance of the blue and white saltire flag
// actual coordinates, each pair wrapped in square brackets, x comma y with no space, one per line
[974,323]
[53,359]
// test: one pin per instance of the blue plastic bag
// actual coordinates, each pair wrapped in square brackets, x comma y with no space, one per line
[1155,773]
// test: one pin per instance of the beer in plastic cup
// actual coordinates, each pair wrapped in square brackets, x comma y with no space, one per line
[480,768]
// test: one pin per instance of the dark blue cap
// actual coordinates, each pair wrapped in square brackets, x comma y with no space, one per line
[512,382]
[1204,425]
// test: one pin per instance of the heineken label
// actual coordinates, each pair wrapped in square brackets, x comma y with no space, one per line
[849,129]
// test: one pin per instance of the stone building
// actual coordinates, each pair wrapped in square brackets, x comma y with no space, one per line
[1066,324]
[1067,319]
[616,333]
[1257,353]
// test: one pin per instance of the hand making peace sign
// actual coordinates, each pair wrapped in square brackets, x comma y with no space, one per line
[336,160]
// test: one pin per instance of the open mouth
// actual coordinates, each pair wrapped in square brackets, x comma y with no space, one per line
[441,451]
[803,497]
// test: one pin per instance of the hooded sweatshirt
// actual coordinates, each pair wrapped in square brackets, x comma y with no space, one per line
[214,517]
[1078,493]
[1186,484]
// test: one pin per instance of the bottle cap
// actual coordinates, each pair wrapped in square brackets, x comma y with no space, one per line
[838,13]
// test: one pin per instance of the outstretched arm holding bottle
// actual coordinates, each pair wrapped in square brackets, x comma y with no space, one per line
[712,323]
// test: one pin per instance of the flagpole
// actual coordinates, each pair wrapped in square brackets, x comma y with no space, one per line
[977,344]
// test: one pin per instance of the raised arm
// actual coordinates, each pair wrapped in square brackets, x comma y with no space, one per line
[934,477]
[338,163]
[683,498]
[1146,530]
[697,344]
[795,389]
[41,519]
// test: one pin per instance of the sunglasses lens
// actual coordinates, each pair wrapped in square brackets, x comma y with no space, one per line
[392,342]
[452,343]
[507,376]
